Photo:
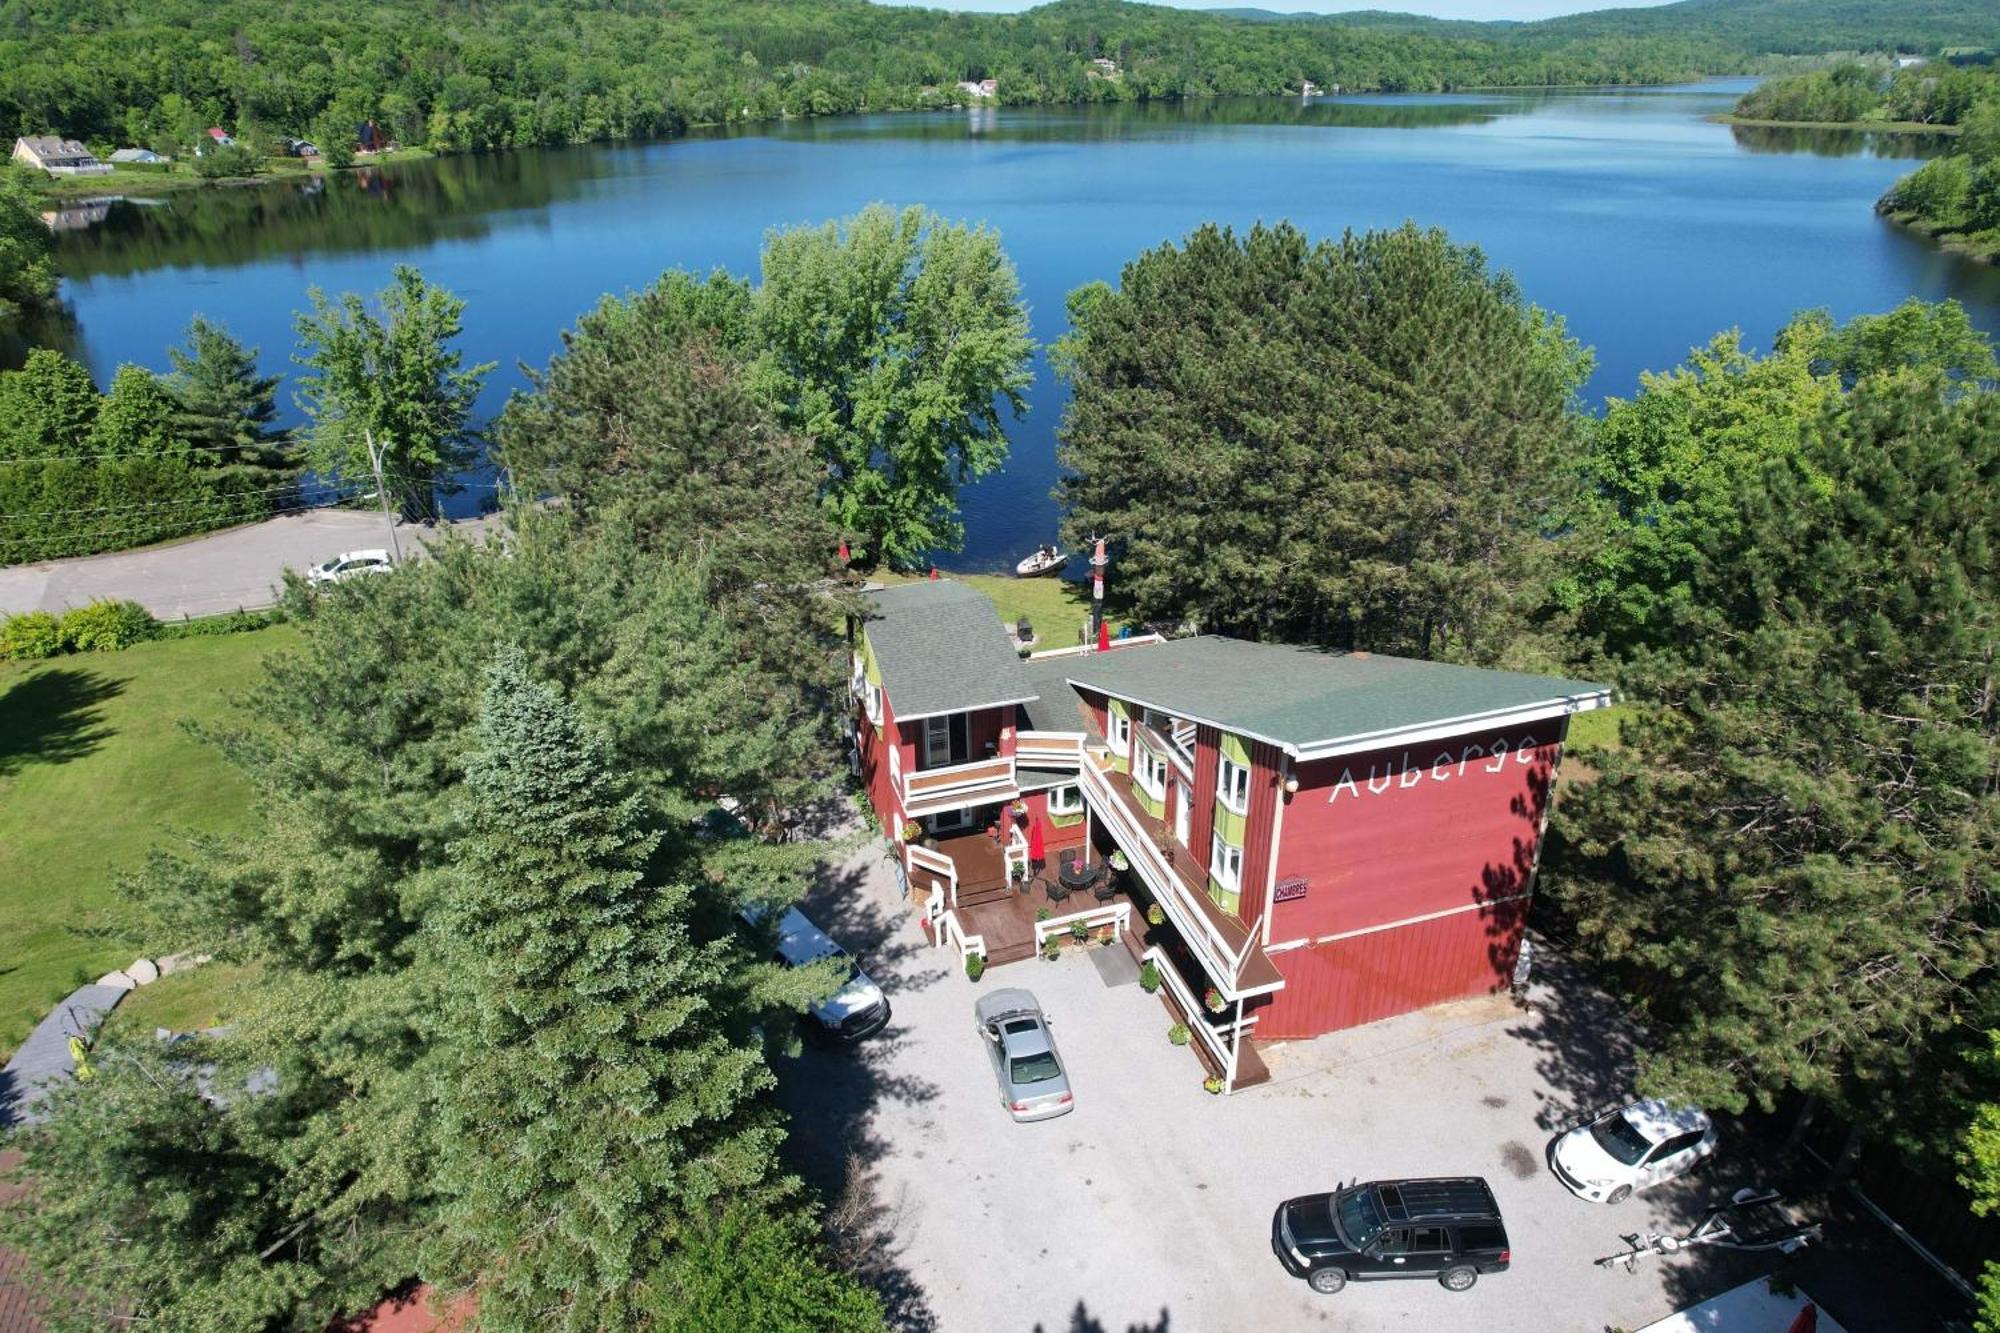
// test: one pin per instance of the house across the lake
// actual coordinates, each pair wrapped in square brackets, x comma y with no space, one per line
[1300,840]
[57,156]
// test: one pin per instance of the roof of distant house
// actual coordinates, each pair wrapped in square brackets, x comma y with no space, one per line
[1305,699]
[46,146]
[941,649]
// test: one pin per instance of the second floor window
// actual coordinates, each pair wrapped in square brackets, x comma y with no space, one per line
[1232,784]
[1150,772]
[1225,863]
[1121,731]
[1065,801]
[874,702]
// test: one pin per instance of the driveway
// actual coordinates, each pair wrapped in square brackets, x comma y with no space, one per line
[1148,1209]
[240,568]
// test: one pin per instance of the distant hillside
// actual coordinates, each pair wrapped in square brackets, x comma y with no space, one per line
[1747,27]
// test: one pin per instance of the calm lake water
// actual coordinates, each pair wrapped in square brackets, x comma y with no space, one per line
[1648,228]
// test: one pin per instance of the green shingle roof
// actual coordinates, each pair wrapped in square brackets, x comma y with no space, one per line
[941,649]
[1299,698]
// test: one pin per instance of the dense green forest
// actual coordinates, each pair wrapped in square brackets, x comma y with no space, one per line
[457,75]
[1860,92]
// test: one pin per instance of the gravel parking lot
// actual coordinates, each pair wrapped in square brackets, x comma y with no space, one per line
[1149,1208]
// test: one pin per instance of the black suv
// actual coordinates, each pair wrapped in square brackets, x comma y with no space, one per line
[1448,1229]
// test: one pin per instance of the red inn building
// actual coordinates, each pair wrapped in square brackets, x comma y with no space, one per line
[1300,840]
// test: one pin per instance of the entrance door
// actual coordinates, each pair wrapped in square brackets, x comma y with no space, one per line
[1182,813]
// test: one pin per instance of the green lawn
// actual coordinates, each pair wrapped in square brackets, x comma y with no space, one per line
[1057,608]
[190,1001]
[94,770]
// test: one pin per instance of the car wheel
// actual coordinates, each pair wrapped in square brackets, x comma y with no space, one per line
[1458,1279]
[1326,1281]
[1619,1195]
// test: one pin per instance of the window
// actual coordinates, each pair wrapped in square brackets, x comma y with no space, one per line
[946,741]
[1226,864]
[1428,1240]
[874,703]
[1676,1145]
[1149,771]
[1121,730]
[1232,784]
[1065,801]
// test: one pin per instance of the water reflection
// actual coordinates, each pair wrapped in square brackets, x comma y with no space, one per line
[1837,142]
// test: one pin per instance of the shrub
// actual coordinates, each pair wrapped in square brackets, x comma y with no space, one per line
[234,622]
[1051,947]
[1156,915]
[1211,1085]
[1042,914]
[30,636]
[107,626]
[1178,1034]
[1078,931]
[1149,977]
[975,966]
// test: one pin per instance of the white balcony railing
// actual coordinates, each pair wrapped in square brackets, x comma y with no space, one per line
[930,789]
[1162,880]
[1049,749]
[1189,1005]
[947,933]
[1117,915]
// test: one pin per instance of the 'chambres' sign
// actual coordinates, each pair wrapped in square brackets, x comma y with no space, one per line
[1445,765]
[1290,889]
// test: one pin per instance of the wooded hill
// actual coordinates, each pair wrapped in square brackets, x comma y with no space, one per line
[457,75]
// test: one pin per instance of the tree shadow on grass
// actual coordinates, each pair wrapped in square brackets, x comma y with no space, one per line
[53,716]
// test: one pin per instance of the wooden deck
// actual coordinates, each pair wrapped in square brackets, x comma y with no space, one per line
[982,869]
[1007,923]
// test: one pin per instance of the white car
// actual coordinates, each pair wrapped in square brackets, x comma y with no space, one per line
[1632,1148]
[859,1008]
[351,564]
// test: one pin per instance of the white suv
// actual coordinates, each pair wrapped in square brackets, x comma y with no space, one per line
[350,564]
[859,1008]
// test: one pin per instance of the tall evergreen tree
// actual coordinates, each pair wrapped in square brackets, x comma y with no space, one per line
[227,407]
[1793,857]
[587,1096]
[1353,443]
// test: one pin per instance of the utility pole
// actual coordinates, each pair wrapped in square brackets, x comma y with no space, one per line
[382,494]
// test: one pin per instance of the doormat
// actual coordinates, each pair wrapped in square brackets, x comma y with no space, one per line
[1114,965]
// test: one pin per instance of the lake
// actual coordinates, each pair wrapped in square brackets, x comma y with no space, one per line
[1646,226]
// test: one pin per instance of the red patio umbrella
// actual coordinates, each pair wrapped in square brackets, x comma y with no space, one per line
[1037,848]
[1807,1321]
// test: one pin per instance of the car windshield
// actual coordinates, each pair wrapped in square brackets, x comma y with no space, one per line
[1035,1068]
[1357,1218]
[1615,1134]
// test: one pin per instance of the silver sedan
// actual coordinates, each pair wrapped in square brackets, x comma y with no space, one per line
[1033,1085]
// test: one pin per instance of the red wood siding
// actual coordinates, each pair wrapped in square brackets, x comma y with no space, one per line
[1053,839]
[1094,704]
[874,744]
[1394,834]
[1266,765]
[1368,977]
[1207,757]
[984,726]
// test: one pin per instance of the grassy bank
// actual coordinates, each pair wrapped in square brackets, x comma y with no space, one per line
[95,769]
[142,180]
[1057,608]
[1983,247]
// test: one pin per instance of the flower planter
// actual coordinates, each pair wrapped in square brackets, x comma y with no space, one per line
[1213,1000]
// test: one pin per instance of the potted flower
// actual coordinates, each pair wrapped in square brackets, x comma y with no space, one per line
[1149,976]
[1020,809]
[1156,915]
[975,966]
[1043,914]
[1051,947]
[1078,931]
[912,830]
[1212,1086]
[1117,861]
[1213,999]
[1178,1034]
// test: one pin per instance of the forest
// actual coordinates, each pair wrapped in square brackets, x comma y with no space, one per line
[460,76]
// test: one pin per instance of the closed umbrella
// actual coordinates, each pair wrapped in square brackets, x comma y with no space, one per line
[1037,847]
[1807,1321]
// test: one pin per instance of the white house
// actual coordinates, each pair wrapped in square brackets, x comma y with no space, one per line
[979,88]
[57,156]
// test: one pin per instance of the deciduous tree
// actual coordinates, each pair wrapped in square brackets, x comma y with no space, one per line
[27,265]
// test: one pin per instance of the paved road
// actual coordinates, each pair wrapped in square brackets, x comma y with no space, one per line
[222,572]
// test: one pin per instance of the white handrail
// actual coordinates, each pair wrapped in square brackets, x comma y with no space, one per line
[917,857]
[968,777]
[1111,914]
[1165,881]
[949,932]
[1050,749]
[1190,1005]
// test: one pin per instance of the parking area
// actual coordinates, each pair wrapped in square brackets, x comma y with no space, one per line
[1149,1208]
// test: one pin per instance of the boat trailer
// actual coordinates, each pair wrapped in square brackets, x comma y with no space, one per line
[1751,1220]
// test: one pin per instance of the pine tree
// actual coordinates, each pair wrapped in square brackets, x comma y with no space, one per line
[226,406]
[1793,857]
[586,1098]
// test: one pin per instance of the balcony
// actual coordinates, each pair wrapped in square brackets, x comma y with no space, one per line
[930,791]
[1058,750]
[1227,950]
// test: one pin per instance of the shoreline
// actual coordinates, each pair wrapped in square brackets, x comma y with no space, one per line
[1870,126]
[61,190]
[1953,243]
